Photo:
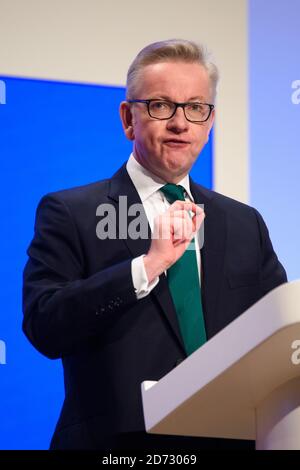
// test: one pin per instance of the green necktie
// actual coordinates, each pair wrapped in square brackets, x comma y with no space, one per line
[183,280]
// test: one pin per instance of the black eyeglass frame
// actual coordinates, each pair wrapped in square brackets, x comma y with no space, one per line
[177,105]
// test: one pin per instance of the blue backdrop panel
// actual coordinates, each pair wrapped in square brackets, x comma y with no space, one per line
[53,136]
[274,65]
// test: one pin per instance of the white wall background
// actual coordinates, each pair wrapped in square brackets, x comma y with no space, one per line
[94,41]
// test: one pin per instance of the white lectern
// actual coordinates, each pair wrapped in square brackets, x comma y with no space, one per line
[244,383]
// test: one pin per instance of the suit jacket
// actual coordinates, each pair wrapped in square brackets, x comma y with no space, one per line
[80,304]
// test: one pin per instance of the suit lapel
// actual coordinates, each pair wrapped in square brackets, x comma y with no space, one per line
[212,255]
[122,191]
[121,185]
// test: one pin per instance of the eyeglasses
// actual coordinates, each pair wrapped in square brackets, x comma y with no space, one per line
[163,109]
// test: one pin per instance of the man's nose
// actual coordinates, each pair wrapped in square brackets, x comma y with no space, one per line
[178,122]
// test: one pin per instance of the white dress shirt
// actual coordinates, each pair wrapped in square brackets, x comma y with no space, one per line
[154,202]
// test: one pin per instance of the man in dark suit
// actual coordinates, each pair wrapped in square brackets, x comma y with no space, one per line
[112,306]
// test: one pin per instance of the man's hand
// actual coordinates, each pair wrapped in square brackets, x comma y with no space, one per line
[173,232]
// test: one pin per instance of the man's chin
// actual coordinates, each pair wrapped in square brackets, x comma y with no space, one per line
[176,161]
[175,170]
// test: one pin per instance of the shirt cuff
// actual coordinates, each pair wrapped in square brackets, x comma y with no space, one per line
[140,281]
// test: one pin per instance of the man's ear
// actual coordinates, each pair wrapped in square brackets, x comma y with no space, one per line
[210,125]
[126,118]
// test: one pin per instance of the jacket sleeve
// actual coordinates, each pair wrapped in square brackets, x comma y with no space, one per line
[272,272]
[63,309]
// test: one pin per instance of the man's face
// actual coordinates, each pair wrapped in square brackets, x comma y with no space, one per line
[168,148]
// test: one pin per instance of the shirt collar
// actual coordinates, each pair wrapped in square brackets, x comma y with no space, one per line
[146,183]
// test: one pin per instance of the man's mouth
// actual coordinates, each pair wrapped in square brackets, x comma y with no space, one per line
[176,142]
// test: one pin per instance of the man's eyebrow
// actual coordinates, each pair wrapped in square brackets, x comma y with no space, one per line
[159,96]
[198,98]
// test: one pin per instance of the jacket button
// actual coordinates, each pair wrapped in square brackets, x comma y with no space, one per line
[100,311]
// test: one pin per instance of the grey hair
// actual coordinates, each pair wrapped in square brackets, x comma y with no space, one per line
[172,50]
